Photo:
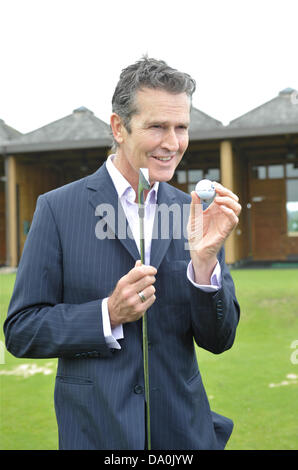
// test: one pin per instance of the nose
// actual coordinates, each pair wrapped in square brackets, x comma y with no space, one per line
[171,141]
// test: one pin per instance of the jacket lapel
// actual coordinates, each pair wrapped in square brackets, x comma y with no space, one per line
[104,199]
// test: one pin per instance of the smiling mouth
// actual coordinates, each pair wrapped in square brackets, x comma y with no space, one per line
[163,159]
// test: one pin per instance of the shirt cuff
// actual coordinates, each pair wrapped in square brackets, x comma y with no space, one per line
[215,279]
[111,335]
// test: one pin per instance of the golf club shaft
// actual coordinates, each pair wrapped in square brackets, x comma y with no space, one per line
[144,324]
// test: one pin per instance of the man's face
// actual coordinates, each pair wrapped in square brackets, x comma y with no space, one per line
[158,137]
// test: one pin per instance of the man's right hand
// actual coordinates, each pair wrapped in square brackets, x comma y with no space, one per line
[124,304]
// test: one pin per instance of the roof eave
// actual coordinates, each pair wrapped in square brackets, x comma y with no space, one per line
[19,147]
[229,132]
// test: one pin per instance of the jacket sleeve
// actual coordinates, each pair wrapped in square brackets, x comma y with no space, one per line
[39,324]
[215,316]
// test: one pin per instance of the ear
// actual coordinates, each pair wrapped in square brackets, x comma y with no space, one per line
[117,127]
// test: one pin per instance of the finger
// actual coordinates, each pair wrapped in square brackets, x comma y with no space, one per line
[147,293]
[143,283]
[220,189]
[141,307]
[149,302]
[140,271]
[230,214]
[229,202]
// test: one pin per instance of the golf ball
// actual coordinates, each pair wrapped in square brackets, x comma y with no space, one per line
[205,190]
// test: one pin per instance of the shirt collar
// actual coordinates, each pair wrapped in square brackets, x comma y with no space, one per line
[124,188]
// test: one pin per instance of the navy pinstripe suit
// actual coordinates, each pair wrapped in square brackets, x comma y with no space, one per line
[55,311]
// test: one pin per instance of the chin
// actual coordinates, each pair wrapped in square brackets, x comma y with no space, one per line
[163,176]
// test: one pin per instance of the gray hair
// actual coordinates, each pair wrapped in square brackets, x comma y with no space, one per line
[147,73]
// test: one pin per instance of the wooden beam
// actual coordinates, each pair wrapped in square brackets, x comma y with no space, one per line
[11,212]
[227,171]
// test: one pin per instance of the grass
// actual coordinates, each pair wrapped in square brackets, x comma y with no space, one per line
[238,381]
[254,383]
[27,416]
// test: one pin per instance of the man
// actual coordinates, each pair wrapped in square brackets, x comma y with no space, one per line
[80,296]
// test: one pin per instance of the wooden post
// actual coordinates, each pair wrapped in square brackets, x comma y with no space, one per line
[227,168]
[11,212]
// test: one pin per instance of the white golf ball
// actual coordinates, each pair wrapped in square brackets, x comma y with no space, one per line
[205,190]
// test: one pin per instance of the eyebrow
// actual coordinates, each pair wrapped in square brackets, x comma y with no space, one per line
[164,123]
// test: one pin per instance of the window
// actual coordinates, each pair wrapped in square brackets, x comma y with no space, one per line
[195,175]
[259,172]
[275,171]
[292,206]
[212,174]
[291,169]
[181,176]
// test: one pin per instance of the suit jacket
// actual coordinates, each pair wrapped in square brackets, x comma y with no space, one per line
[55,311]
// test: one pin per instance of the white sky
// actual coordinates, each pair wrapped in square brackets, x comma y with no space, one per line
[57,55]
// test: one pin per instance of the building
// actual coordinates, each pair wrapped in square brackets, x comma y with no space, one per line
[256,156]
[44,159]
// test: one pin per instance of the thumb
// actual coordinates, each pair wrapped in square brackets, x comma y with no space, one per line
[138,263]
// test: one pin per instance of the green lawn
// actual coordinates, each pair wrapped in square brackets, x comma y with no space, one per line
[255,383]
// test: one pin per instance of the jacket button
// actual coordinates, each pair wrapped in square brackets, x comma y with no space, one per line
[138,389]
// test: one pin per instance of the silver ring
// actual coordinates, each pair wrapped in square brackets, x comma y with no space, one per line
[142,297]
